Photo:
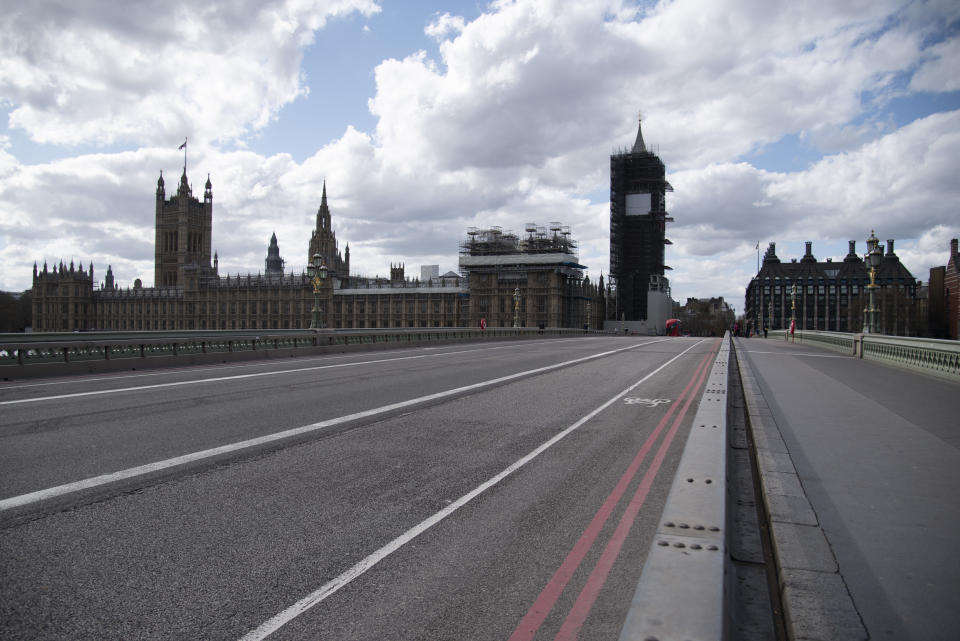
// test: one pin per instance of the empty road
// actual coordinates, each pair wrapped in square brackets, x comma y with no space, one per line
[500,491]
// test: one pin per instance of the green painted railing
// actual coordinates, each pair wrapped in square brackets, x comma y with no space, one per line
[20,350]
[928,355]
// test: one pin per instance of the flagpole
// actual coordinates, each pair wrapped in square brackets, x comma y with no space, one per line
[184,147]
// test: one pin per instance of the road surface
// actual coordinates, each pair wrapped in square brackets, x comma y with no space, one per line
[464,491]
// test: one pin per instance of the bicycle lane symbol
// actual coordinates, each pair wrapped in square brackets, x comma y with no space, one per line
[645,402]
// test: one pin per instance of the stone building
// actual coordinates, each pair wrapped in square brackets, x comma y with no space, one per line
[832,296]
[704,316]
[541,268]
[951,292]
[189,293]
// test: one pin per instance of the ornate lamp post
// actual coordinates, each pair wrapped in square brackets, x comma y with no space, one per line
[793,308]
[770,312]
[873,261]
[516,306]
[318,275]
[758,328]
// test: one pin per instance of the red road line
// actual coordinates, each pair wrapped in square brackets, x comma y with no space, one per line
[534,618]
[588,595]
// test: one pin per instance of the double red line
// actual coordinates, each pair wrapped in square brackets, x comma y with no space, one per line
[534,618]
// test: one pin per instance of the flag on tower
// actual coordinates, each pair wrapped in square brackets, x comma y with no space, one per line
[183,145]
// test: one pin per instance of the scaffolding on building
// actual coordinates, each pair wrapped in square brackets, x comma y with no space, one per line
[493,241]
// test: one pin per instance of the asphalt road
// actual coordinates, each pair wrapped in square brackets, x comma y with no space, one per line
[459,492]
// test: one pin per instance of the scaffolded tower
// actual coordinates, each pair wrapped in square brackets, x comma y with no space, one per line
[638,219]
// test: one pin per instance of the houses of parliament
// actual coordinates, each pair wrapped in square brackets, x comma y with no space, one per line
[189,293]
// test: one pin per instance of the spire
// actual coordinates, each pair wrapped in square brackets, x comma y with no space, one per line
[184,185]
[323,213]
[639,146]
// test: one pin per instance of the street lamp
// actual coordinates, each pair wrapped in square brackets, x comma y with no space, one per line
[318,275]
[759,307]
[873,258]
[770,313]
[793,308]
[516,306]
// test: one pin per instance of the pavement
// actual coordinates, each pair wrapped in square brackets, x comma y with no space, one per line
[859,465]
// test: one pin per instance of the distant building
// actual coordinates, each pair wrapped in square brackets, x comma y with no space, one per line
[429,272]
[832,296]
[705,316]
[638,219]
[541,267]
[189,293]
[951,287]
[937,325]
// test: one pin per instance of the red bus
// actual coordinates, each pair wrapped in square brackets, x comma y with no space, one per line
[673,327]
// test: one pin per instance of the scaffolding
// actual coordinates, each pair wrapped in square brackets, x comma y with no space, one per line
[637,239]
[493,241]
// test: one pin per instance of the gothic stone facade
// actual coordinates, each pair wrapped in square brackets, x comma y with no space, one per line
[541,268]
[190,293]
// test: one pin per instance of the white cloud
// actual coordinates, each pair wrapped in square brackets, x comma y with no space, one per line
[514,123]
[155,71]
[444,25]
[939,71]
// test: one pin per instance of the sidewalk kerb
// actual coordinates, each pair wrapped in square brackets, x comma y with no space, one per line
[816,602]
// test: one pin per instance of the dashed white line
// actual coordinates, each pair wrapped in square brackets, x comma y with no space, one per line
[218,379]
[149,468]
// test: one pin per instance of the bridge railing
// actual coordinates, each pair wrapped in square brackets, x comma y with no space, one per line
[18,351]
[928,355]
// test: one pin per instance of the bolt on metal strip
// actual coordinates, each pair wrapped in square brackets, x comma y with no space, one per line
[681,592]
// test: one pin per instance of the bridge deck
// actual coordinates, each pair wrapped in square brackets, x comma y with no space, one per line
[877,454]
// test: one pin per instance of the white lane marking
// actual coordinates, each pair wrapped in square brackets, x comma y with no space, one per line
[235,377]
[328,589]
[646,402]
[176,370]
[141,470]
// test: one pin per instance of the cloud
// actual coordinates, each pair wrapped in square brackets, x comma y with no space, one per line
[444,25]
[513,122]
[156,71]
[938,72]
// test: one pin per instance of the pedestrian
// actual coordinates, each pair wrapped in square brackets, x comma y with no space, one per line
[764,331]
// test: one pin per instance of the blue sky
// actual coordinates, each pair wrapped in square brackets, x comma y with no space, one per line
[778,122]
[339,69]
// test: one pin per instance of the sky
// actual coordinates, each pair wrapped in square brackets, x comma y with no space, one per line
[779,122]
